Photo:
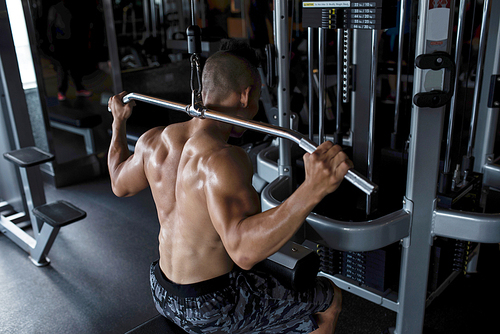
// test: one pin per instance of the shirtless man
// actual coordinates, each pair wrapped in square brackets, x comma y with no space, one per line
[212,230]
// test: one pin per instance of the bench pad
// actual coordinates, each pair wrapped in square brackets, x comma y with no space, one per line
[59,213]
[75,117]
[28,156]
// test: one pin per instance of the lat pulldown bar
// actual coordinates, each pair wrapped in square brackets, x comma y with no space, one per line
[199,111]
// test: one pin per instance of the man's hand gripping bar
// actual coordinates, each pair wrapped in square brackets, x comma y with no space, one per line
[200,111]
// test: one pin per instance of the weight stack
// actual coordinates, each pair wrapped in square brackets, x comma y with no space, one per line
[330,260]
[378,269]
[448,255]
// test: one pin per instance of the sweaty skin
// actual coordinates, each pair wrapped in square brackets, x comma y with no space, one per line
[209,213]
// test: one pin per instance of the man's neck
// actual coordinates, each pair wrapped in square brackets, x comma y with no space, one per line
[215,129]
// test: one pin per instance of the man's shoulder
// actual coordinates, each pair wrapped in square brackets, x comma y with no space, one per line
[229,157]
[151,135]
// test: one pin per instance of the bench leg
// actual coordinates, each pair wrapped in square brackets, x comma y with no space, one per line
[44,243]
[87,133]
[88,137]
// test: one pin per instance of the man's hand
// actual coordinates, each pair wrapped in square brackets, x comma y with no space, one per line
[325,168]
[120,111]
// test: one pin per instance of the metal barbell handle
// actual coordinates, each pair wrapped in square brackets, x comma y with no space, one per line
[353,176]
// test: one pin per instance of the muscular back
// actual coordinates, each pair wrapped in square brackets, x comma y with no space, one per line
[178,162]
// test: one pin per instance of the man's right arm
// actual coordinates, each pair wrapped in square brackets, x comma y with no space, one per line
[125,170]
[249,235]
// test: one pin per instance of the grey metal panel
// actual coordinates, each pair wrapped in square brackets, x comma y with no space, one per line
[491,176]
[267,168]
[468,226]
[346,236]
[354,287]
[362,236]
[276,191]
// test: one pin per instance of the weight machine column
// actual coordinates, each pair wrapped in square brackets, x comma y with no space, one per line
[360,103]
[321,84]
[283,92]
[371,128]
[445,181]
[489,107]
[310,69]
[423,167]
[363,104]
[468,160]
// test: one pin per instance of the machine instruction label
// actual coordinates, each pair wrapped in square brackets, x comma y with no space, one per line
[327,4]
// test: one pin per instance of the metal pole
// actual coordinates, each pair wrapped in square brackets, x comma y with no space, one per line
[338,118]
[371,127]
[488,115]
[153,17]
[458,52]
[193,12]
[479,75]
[321,85]
[423,166]
[283,92]
[146,17]
[161,13]
[346,60]
[373,92]
[310,69]
[402,21]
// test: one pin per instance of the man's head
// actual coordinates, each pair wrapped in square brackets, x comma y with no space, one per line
[231,79]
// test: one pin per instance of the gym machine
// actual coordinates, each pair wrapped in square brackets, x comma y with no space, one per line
[422,223]
[369,234]
[25,217]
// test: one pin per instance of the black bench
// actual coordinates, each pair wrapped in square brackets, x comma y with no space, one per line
[76,120]
[52,215]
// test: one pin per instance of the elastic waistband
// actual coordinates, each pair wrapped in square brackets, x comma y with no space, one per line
[191,290]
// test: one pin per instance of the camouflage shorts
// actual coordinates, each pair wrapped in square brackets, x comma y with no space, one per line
[239,302]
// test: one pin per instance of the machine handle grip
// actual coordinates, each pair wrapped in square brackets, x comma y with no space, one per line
[353,176]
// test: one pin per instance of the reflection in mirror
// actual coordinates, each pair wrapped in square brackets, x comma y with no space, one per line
[149,51]
[74,64]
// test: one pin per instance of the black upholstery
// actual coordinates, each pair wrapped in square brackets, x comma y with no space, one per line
[59,213]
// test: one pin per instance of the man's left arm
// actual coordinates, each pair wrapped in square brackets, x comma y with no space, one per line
[125,170]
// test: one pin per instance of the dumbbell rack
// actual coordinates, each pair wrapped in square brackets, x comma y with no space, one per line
[46,220]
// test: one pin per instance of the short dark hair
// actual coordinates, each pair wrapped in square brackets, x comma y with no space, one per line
[240,48]
[232,68]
